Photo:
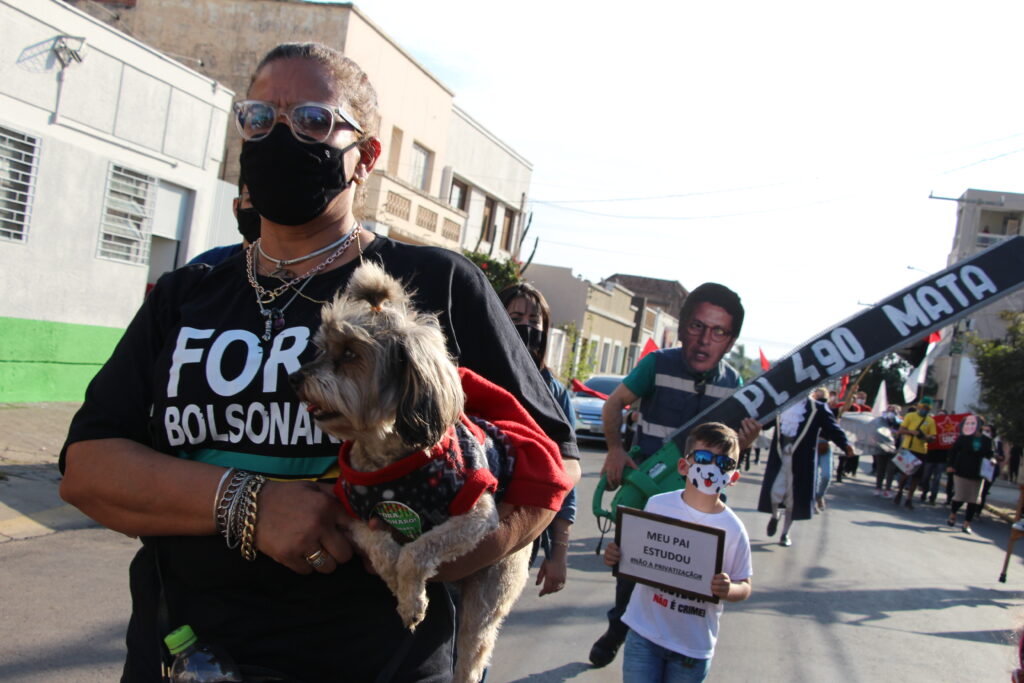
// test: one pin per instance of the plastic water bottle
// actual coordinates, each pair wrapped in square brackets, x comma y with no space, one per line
[195,662]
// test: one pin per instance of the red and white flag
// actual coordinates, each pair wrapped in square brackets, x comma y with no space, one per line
[916,377]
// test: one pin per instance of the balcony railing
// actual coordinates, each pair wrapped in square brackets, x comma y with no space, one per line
[410,214]
[426,219]
[397,205]
[451,230]
[985,240]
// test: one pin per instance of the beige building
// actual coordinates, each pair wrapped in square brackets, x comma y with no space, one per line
[983,219]
[431,185]
[603,314]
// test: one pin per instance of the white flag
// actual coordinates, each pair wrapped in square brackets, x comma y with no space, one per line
[881,400]
[916,378]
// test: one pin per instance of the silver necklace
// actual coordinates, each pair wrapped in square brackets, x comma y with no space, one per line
[281,263]
[273,318]
[264,296]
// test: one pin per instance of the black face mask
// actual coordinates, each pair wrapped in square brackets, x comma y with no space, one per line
[249,224]
[292,182]
[531,336]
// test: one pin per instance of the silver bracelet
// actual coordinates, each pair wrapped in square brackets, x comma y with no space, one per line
[216,494]
[227,505]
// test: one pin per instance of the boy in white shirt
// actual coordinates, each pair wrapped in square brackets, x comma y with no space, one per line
[672,637]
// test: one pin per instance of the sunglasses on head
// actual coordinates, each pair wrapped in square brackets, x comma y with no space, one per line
[724,462]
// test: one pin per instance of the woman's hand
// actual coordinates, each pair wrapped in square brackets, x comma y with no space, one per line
[297,519]
[552,574]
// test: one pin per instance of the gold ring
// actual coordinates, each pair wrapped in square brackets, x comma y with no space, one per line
[317,559]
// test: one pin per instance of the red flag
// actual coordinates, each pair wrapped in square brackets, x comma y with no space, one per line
[648,347]
[764,361]
[934,337]
[843,384]
[580,387]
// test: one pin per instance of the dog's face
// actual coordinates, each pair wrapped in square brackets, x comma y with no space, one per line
[383,376]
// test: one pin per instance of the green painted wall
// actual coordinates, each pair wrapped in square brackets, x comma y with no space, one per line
[44,361]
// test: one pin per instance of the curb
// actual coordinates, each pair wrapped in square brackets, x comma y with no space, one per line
[42,523]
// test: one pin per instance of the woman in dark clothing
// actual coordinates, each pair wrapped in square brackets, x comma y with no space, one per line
[965,458]
[531,315]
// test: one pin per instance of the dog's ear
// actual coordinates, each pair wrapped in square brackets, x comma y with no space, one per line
[431,397]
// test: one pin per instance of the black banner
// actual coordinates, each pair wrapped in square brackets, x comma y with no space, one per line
[931,304]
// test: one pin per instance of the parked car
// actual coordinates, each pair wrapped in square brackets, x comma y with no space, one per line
[588,408]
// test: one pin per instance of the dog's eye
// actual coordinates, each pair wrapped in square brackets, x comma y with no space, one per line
[346,356]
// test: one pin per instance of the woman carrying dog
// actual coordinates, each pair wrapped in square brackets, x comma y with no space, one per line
[191,438]
[531,315]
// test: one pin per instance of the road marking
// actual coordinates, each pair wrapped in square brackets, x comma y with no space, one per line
[40,523]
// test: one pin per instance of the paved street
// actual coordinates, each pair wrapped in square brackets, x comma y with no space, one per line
[867,591]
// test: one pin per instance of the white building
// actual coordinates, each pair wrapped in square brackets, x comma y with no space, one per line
[488,180]
[109,153]
[983,218]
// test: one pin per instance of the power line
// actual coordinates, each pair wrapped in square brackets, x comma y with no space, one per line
[659,197]
[693,218]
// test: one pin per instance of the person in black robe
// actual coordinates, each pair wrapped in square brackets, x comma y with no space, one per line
[789,478]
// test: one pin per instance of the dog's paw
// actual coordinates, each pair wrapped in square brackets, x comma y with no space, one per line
[413,609]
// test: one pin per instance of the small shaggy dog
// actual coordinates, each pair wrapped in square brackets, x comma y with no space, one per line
[385,383]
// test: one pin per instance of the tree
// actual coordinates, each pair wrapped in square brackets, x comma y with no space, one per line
[893,370]
[1000,367]
[501,274]
[581,365]
[737,358]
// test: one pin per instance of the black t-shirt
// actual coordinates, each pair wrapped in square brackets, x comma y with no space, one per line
[192,378]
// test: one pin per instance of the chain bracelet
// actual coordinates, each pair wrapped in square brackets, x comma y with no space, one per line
[236,514]
[216,496]
[253,487]
[226,497]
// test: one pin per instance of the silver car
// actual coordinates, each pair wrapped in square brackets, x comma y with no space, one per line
[588,408]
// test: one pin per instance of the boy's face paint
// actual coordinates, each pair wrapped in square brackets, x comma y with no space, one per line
[709,479]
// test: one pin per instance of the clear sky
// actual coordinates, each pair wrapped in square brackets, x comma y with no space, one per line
[785,149]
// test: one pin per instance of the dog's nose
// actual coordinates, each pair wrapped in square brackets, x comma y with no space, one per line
[295,379]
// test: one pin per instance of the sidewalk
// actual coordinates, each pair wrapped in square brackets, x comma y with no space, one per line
[31,436]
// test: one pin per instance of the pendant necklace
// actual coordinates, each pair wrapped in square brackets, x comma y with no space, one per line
[267,296]
[273,317]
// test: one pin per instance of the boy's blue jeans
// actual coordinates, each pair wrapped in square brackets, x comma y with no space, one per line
[646,662]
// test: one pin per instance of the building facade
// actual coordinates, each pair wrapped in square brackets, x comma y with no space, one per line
[109,156]
[602,315]
[657,304]
[983,219]
[442,180]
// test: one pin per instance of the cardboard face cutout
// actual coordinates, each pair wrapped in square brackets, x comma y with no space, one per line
[969,426]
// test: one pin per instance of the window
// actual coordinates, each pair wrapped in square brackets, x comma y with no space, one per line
[487,226]
[419,176]
[506,229]
[605,349]
[17,175]
[459,195]
[127,216]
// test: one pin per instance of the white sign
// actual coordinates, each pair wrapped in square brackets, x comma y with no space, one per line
[668,554]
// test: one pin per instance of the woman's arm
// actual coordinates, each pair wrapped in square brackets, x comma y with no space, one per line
[519,525]
[131,488]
